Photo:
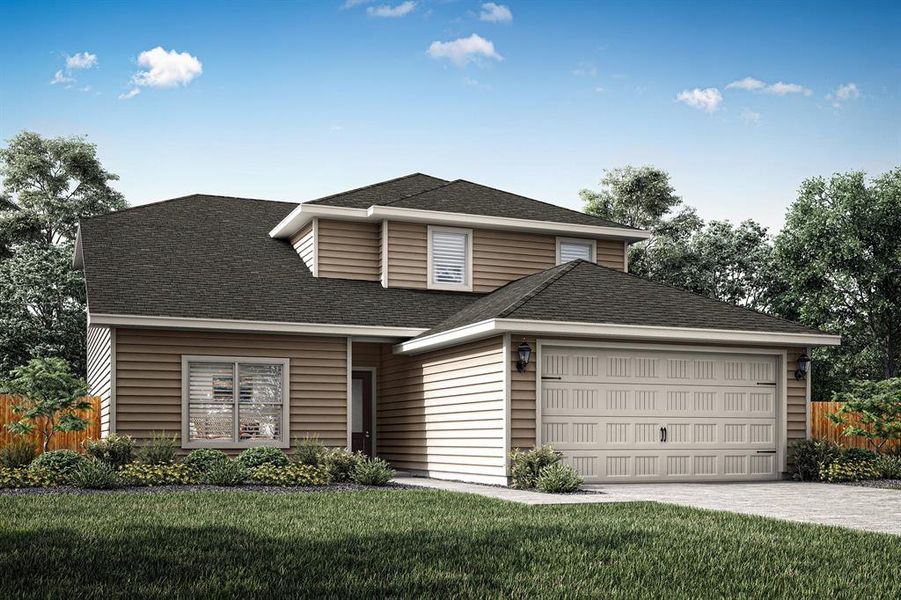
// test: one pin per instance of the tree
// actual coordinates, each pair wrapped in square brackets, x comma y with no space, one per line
[840,258]
[638,197]
[48,397]
[878,407]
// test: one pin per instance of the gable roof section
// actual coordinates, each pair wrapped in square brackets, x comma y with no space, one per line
[210,257]
[382,193]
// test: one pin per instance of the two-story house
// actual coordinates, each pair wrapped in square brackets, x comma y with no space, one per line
[437,324]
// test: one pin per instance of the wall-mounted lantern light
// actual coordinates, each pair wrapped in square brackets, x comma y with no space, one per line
[803,364]
[525,353]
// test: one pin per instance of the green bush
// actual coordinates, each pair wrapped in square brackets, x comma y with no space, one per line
[60,463]
[25,478]
[204,459]
[115,450]
[808,457]
[859,454]
[527,465]
[229,472]
[295,474]
[309,450]
[558,479]
[373,471]
[94,474]
[889,467]
[257,457]
[141,474]
[850,470]
[341,464]
[18,453]
[160,450]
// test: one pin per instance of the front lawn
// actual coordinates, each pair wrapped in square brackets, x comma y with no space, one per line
[426,543]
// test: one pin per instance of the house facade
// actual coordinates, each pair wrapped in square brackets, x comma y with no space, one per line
[437,324]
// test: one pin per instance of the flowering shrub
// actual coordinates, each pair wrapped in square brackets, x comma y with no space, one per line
[850,470]
[169,474]
[256,457]
[25,478]
[295,474]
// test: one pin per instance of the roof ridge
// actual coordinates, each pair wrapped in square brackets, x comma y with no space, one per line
[437,187]
[185,197]
[566,268]
[371,185]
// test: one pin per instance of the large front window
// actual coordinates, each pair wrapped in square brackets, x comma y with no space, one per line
[232,402]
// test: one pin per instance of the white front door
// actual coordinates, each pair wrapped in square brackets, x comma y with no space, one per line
[640,415]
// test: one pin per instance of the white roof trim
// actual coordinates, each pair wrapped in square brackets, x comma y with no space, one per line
[303,213]
[638,332]
[252,326]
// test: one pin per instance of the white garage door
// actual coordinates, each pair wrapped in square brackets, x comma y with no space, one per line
[637,415]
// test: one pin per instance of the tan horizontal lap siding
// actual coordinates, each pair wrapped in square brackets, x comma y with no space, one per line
[797,398]
[523,410]
[443,412]
[100,371]
[612,254]
[499,257]
[304,243]
[148,378]
[407,255]
[349,250]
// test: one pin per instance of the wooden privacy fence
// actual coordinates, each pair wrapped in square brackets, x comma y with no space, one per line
[61,440]
[821,428]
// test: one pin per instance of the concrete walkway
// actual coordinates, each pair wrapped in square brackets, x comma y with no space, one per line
[862,508]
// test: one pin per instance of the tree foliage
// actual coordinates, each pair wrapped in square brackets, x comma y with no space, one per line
[48,396]
[877,405]
[634,196]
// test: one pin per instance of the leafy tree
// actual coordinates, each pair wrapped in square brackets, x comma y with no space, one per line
[48,397]
[634,196]
[840,258]
[877,405]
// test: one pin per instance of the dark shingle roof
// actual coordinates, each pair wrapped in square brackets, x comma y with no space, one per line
[382,193]
[584,292]
[212,257]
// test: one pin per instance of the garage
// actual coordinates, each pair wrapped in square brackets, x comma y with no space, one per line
[627,414]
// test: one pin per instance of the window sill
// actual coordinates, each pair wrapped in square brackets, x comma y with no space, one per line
[450,287]
[281,444]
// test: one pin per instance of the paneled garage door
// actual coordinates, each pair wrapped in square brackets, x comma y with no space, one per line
[638,415]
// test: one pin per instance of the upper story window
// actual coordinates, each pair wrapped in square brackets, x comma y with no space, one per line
[450,258]
[570,249]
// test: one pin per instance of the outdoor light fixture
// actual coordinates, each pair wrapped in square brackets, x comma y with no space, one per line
[525,353]
[803,364]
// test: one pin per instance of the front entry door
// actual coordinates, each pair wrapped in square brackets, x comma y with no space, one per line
[361,417]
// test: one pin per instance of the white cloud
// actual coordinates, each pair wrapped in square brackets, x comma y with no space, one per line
[82,60]
[402,9]
[748,83]
[781,89]
[130,94]
[352,3]
[708,99]
[464,50]
[585,70]
[495,13]
[166,69]
[749,116]
[599,90]
[60,78]
[847,91]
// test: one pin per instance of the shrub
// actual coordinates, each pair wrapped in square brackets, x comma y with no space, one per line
[25,478]
[229,472]
[257,457]
[141,474]
[341,464]
[558,479]
[809,457]
[527,465]
[94,474]
[159,451]
[850,470]
[372,471]
[889,467]
[204,459]
[18,453]
[295,474]
[859,454]
[309,450]
[59,463]
[115,450]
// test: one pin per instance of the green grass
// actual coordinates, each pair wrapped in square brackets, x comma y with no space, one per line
[423,543]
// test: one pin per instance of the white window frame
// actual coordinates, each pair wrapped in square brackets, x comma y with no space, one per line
[592,247]
[284,442]
[466,286]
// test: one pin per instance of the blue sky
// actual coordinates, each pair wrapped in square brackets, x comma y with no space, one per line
[291,101]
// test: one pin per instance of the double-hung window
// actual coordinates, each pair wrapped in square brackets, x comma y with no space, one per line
[572,248]
[234,402]
[450,258]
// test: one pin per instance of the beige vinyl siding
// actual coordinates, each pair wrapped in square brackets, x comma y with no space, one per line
[348,249]
[407,255]
[612,254]
[304,243]
[499,257]
[100,371]
[797,398]
[442,413]
[148,378]
[522,396]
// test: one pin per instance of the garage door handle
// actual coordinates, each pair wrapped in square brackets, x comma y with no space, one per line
[663,434]
[766,452]
[548,377]
[766,383]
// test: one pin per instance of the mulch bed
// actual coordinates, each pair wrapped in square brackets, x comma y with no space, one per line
[168,489]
